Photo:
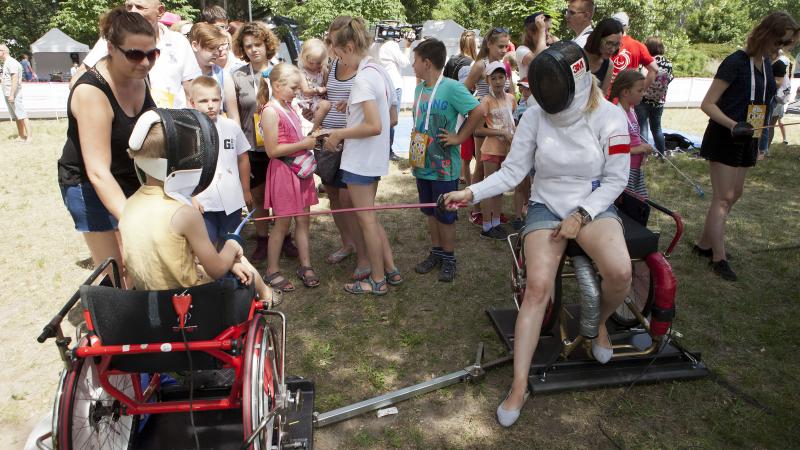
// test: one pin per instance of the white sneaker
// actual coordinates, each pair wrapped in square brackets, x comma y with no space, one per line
[507,418]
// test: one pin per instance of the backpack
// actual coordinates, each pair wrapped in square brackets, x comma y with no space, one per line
[455,64]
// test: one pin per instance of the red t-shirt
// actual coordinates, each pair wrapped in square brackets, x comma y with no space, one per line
[632,54]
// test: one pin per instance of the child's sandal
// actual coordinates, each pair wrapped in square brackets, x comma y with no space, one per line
[393,277]
[309,281]
[376,287]
[362,274]
[283,285]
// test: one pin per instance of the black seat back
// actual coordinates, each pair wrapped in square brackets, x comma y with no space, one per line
[638,238]
[123,317]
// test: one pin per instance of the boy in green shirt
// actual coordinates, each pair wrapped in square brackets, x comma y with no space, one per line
[435,154]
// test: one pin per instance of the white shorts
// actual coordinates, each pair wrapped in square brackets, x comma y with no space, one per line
[16,110]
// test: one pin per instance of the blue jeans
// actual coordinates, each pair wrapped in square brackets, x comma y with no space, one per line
[763,141]
[218,224]
[645,113]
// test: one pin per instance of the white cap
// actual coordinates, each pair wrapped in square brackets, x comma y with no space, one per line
[492,67]
[621,18]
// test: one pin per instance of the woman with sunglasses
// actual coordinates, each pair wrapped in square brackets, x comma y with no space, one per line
[736,102]
[95,173]
[493,48]
[602,44]
[257,45]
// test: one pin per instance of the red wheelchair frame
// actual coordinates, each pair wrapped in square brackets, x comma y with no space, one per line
[259,384]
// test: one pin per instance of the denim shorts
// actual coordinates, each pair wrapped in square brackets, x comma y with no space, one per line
[219,224]
[86,209]
[541,218]
[354,178]
[429,192]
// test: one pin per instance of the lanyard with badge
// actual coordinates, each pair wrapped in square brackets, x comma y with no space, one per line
[420,139]
[257,115]
[757,113]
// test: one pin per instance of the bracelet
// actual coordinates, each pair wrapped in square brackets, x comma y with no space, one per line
[578,218]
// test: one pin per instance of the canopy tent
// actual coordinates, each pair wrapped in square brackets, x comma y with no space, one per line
[446,31]
[55,52]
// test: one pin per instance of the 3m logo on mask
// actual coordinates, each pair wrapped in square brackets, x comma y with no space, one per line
[578,69]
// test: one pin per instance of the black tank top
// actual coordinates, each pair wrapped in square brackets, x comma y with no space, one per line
[602,71]
[71,169]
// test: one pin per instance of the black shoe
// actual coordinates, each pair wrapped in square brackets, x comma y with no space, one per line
[723,269]
[708,253]
[448,271]
[517,223]
[393,156]
[495,233]
[429,264]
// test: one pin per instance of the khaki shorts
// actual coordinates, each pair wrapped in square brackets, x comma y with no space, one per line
[16,109]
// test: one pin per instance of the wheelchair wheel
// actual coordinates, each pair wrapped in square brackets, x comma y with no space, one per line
[641,293]
[260,384]
[88,417]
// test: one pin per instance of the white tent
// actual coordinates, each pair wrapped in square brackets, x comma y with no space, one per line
[446,31]
[54,52]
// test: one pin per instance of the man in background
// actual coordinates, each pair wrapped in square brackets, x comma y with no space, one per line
[579,15]
[11,72]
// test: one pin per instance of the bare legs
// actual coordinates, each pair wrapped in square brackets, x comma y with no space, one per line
[374,237]
[491,207]
[442,235]
[728,184]
[104,244]
[347,224]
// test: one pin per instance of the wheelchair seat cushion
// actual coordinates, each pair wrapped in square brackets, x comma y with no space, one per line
[639,240]
[123,317]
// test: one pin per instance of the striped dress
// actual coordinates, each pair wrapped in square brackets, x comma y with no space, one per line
[338,91]
[636,178]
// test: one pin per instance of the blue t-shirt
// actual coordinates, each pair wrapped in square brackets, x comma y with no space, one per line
[735,70]
[452,99]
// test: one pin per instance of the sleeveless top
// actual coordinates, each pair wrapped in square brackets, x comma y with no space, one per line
[156,257]
[71,168]
[602,71]
[482,88]
[338,91]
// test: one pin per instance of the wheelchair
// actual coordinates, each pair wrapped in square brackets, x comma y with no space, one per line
[644,343]
[132,345]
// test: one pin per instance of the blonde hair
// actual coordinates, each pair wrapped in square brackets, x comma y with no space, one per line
[467,44]
[347,29]
[595,97]
[281,74]
[313,48]
[153,145]
[204,82]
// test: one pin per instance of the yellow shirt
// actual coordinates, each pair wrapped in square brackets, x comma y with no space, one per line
[155,257]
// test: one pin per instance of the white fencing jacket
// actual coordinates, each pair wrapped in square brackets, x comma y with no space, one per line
[581,159]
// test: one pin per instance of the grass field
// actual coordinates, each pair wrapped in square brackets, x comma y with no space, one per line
[359,347]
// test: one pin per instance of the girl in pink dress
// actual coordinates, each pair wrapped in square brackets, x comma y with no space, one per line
[289,188]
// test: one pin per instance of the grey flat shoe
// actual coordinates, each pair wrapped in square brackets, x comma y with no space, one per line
[507,418]
[601,354]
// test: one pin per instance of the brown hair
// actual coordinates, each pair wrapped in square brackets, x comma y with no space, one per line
[207,36]
[467,44]
[654,45]
[348,29]
[213,14]
[771,28]
[204,82]
[625,80]
[153,145]
[116,24]
[259,31]
[490,38]
[433,50]
[605,27]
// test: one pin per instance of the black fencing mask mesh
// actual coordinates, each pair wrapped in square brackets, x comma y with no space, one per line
[553,74]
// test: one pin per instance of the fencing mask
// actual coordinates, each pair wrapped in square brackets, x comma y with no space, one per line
[191,147]
[557,74]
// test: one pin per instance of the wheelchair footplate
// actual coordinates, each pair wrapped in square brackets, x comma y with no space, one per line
[222,429]
[551,372]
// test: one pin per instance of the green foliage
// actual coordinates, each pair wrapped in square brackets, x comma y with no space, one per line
[418,11]
[314,16]
[184,8]
[719,21]
[80,18]
[23,22]
[690,63]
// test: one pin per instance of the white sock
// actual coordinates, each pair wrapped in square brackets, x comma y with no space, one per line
[487,226]
[495,221]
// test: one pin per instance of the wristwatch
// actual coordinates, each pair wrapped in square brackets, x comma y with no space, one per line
[585,216]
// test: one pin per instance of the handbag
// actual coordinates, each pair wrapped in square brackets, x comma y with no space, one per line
[302,165]
[327,165]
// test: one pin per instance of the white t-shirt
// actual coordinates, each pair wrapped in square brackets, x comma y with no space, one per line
[584,36]
[369,156]
[175,65]
[10,67]
[522,52]
[225,192]
[393,60]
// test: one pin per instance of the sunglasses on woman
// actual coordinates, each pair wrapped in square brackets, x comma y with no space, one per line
[136,55]
[499,30]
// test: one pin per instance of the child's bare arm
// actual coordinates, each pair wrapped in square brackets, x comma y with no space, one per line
[307,90]
[188,222]
[243,161]
[269,123]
